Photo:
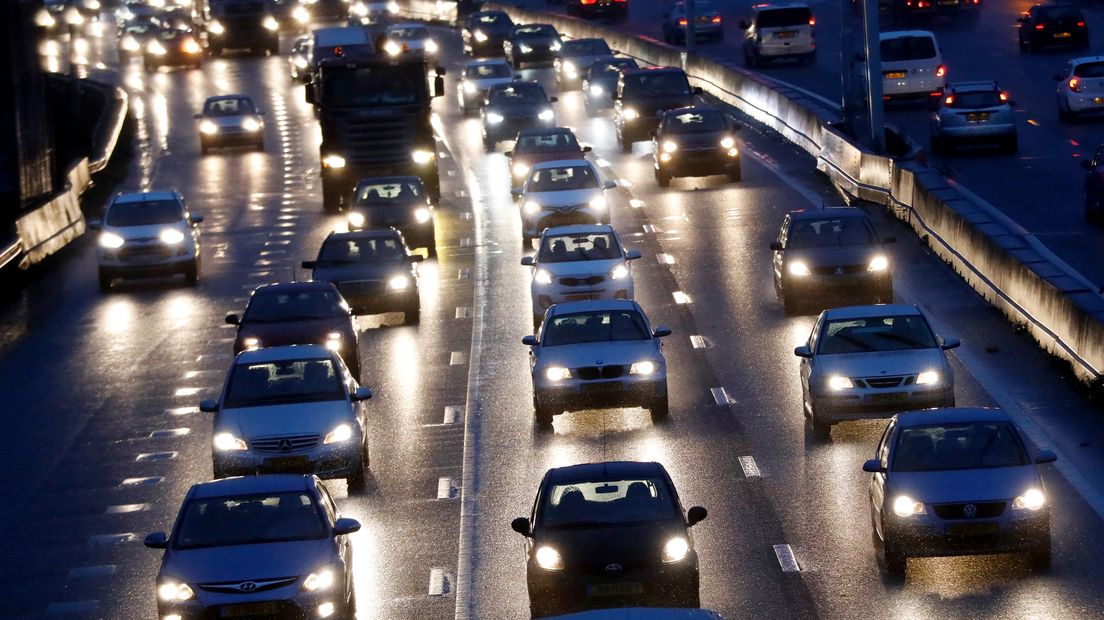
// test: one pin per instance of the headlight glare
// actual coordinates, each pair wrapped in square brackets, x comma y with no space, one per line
[837,382]
[215,27]
[430,46]
[270,23]
[421,156]
[904,506]
[878,263]
[398,283]
[333,161]
[548,558]
[675,550]
[470,88]
[557,373]
[340,434]
[520,170]
[546,115]
[599,203]
[171,236]
[251,343]
[1032,499]
[110,241]
[251,124]
[156,48]
[495,118]
[670,147]
[356,219]
[727,142]
[798,268]
[595,90]
[208,127]
[191,47]
[619,272]
[480,36]
[542,276]
[320,581]
[301,14]
[333,341]
[532,208]
[227,442]
[630,114]
[171,591]
[422,215]
[392,48]
[928,377]
[646,367]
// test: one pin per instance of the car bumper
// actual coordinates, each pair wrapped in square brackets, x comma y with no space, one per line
[627,391]
[913,87]
[820,284]
[173,59]
[793,48]
[672,585]
[698,163]
[1085,103]
[232,137]
[153,262]
[294,605]
[639,128]
[546,295]
[703,30]
[979,131]
[540,55]
[490,46]
[874,403]
[325,461]
[532,226]
[234,37]
[936,537]
[412,230]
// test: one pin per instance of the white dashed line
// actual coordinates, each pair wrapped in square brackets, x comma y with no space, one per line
[680,297]
[463,312]
[751,470]
[155,456]
[699,342]
[439,582]
[146,481]
[720,396]
[169,433]
[665,259]
[457,358]
[453,414]
[126,508]
[445,488]
[101,540]
[636,203]
[786,559]
[650,229]
[186,391]
[625,183]
[181,410]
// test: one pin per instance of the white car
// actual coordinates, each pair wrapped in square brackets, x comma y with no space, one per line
[912,65]
[597,354]
[410,38]
[864,362]
[147,234]
[557,193]
[1081,88]
[477,78]
[579,263]
[777,31]
[230,120]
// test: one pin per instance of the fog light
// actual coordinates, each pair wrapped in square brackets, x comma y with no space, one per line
[664,157]
[270,23]
[421,215]
[398,283]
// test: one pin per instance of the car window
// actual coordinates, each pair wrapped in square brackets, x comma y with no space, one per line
[690,122]
[585,47]
[487,19]
[518,94]
[609,68]
[886,333]
[398,192]
[249,520]
[782,18]
[1054,13]
[284,382]
[945,447]
[546,143]
[571,248]
[300,306]
[535,30]
[595,326]
[338,251]
[830,232]
[1089,70]
[615,502]
[481,72]
[899,49]
[144,213]
[411,33]
[654,84]
[562,179]
[974,99]
[229,107]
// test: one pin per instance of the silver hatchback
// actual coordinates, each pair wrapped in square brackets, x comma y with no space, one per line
[972,113]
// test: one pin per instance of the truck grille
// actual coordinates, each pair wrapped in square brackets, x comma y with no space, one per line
[285,444]
[383,140]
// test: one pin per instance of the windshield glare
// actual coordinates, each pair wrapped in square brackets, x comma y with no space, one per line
[830,232]
[946,447]
[657,84]
[606,68]
[249,520]
[887,333]
[283,382]
[691,122]
[585,47]
[518,94]
[562,179]
[546,143]
[144,213]
[229,107]
[571,248]
[337,251]
[304,305]
[616,502]
[596,326]
[401,192]
[482,72]
[408,34]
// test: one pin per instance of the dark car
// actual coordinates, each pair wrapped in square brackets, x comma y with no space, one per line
[400,202]
[573,59]
[169,47]
[485,31]
[609,535]
[600,81]
[1053,24]
[299,60]
[536,145]
[1094,185]
[532,43]
[707,23]
[230,120]
[514,107]
[374,270]
[616,9]
[695,142]
[643,95]
[298,313]
[832,250]
[133,36]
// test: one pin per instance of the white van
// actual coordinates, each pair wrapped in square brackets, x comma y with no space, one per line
[779,31]
[912,65]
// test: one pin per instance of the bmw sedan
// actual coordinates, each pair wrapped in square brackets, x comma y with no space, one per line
[610,534]
[597,354]
[564,192]
[260,546]
[957,482]
[864,362]
[514,107]
[230,120]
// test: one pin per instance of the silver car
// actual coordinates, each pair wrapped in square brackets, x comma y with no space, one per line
[260,546]
[957,482]
[574,57]
[230,120]
[477,79]
[974,112]
[865,362]
[579,263]
[597,354]
[291,409]
[562,192]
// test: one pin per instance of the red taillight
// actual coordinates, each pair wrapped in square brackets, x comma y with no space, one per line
[923,5]
[1040,26]
[339,51]
[1080,24]
[949,100]
[589,1]
[1004,96]
[1074,84]
[682,21]
[716,19]
[941,71]
[812,20]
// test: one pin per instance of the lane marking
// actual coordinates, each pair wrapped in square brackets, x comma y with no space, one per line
[699,342]
[71,608]
[636,203]
[445,488]
[720,396]
[751,470]
[146,481]
[786,559]
[665,259]
[181,410]
[464,273]
[169,433]
[650,229]
[680,297]
[126,508]
[439,584]
[188,391]
[83,572]
[463,312]
[102,540]
[457,358]
[465,242]
[155,456]
[453,414]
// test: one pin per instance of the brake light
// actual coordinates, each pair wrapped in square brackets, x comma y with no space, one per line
[589,1]
[1074,84]
[716,19]
[339,51]
[941,71]
[949,100]
[812,20]
[1004,96]
[682,21]
[922,4]
[1080,24]
[1040,26]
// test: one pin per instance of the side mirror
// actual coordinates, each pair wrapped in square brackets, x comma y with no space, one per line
[951,343]
[438,86]
[362,393]
[803,351]
[233,319]
[777,246]
[1087,165]
[697,90]
[632,255]
[587,149]
[157,540]
[208,406]
[508,153]
[345,526]
[696,515]
[195,219]
[308,264]
[95,224]
[873,466]
[440,72]
[529,341]
[610,185]
[521,526]
[1045,456]
[416,258]
[527,261]
[889,240]
[661,332]
[515,192]
[553,99]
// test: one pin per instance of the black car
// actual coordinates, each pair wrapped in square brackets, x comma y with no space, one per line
[374,270]
[1053,24]
[485,31]
[400,202]
[574,57]
[609,535]
[831,250]
[1094,185]
[600,81]
[170,47]
[133,37]
[615,9]
[298,313]
[513,107]
[532,43]
[643,95]
[695,142]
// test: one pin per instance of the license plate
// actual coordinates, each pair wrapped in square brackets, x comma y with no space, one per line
[977,117]
[1098,100]
[786,34]
[615,589]
[581,297]
[892,397]
[895,75]
[1062,35]
[973,529]
[604,387]
[250,609]
[288,463]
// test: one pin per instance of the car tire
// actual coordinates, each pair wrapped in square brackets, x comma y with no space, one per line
[412,315]
[894,559]
[105,280]
[543,415]
[820,428]
[358,482]
[1040,555]
[191,272]
[663,179]
[626,144]
[735,175]
[659,408]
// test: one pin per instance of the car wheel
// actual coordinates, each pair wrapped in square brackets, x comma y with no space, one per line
[790,305]
[1064,114]
[543,415]
[659,408]
[895,560]
[358,482]
[626,144]
[413,313]
[735,175]
[1040,555]
[821,429]
[191,272]
[663,179]
[105,280]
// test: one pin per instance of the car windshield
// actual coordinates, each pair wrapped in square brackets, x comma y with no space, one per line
[229,107]
[883,333]
[611,68]
[376,85]
[594,326]
[654,84]
[408,33]
[491,19]
[144,213]
[782,18]
[249,520]
[535,30]
[975,99]
[578,247]
[390,193]
[899,49]
[696,121]
[493,70]
[562,179]
[1055,13]
[283,382]
[608,503]
[518,94]
[1089,70]
[266,307]
[546,143]
[585,47]
[346,250]
[947,447]
[829,232]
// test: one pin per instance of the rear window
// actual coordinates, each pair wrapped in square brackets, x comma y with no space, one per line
[975,99]
[907,48]
[481,72]
[781,18]
[585,47]
[1054,13]
[1089,70]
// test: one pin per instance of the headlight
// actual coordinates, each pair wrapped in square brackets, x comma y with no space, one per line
[531,208]
[495,118]
[251,343]
[215,27]
[727,142]
[110,241]
[356,219]
[392,48]
[73,17]
[171,591]
[301,14]
[557,373]
[542,276]
[595,90]
[300,62]
[837,382]
[1032,499]
[398,283]
[630,114]
[340,434]
[359,9]
[320,581]
[618,272]
[675,550]
[548,558]
[546,115]
[422,157]
[191,47]
[480,36]
[470,88]
[43,19]
[928,377]
[430,46]
[270,23]
[156,48]
[905,506]
[171,236]
[333,161]
[598,203]
[555,47]
[524,48]
[422,215]
[227,442]
[642,368]
[251,124]
[333,341]
[130,44]
[393,7]
[669,147]
[798,268]
[878,263]
[520,169]
[569,69]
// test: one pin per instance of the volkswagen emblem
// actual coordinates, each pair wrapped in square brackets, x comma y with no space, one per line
[839,271]
[614,569]
[969,511]
[247,586]
[285,445]
[599,362]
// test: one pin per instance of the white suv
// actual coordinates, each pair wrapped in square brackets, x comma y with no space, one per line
[777,31]
[148,234]
[1081,88]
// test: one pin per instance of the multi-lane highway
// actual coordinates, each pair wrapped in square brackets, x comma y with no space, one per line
[101,390]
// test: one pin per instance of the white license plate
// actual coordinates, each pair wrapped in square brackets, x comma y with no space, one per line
[616,589]
[892,397]
[250,609]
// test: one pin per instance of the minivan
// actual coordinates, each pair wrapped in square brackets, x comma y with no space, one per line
[912,65]
[779,31]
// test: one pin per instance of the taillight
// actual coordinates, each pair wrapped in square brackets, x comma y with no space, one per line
[716,19]
[589,1]
[682,21]
[1080,24]
[949,100]
[922,4]
[1074,84]
[812,20]
[941,71]
[1004,97]
[1040,26]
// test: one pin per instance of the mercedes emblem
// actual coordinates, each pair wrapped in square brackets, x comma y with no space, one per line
[285,444]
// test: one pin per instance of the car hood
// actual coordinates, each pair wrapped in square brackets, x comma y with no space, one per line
[309,331]
[487,83]
[608,545]
[535,39]
[359,271]
[248,562]
[581,267]
[519,109]
[877,363]
[697,140]
[599,353]
[974,485]
[564,198]
[837,256]
[582,62]
[290,419]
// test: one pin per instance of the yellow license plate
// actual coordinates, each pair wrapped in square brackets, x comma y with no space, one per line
[895,75]
[250,609]
[1098,100]
[616,589]
[892,397]
[1062,35]
[978,117]
[788,34]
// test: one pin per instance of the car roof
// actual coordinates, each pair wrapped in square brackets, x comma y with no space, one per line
[575,229]
[783,5]
[241,485]
[283,353]
[901,34]
[294,287]
[1086,59]
[398,178]
[872,310]
[341,35]
[643,70]
[823,212]
[154,196]
[226,97]
[561,163]
[594,305]
[610,470]
[545,131]
[981,85]
[693,108]
[407,25]
[951,415]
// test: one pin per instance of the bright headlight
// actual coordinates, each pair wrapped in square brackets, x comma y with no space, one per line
[878,263]
[598,203]
[928,377]
[392,48]
[548,558]
[156,48]
[333,161]
[359,9]
[618,272]
[130,44]
[542,276]
[642,368]
[837,382]
[905,506]
[333,341]
[1032,499]
[171,236]
[430,46]
[532,208]
[669,147]
[555,47]
[191,47]
[301,14]
[524,48]
[480,36]
[470,88]
[520,169]
[110,241]
[300,62]
[495,118]
[630,114]
[546,115]
[73,17]
[595,90]
[215,27]
[675,550]
[727,142]
[557,373]
[422,157]
[340,434]
[270,23]
[43,19]
[171,591]
[569,69]
[798,268]
[251,343]
[422,215]
[356,219]
[393,7]
[398,283]
[227,442]
[320,581]
[251,124]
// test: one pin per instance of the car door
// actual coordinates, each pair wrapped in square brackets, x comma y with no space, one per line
[778,260]
[807,365]
[878,479]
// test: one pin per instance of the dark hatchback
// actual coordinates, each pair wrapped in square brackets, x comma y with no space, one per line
[532,43]
[609,535]
[695,142]
[643,95]
[400,202]
[1053,24]
[514,107]
[601,81]
[298,313]
[485,31]
[534,146]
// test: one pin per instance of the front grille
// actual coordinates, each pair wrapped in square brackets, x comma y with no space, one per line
[377,140]
[590,373]
[248,586]
[566,219]
[839,270]
[285,444]
[149,252]
[985,510]
[587,281]
[883,382]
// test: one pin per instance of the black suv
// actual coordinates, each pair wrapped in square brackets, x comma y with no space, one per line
[643,95]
